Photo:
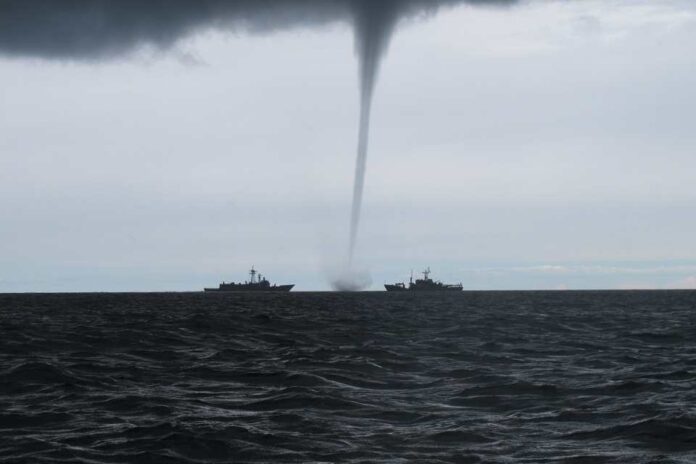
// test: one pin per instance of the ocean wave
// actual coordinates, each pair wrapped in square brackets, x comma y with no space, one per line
[560,377]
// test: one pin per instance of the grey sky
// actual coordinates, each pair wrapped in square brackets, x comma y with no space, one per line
[549,145]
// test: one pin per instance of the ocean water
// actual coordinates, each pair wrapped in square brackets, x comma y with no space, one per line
[567,377]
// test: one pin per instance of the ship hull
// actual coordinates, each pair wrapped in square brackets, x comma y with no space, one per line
[443,289]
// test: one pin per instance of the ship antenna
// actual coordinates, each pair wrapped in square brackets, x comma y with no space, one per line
[410,281]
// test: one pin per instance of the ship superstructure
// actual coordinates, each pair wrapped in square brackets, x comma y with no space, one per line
[256,283]
[426,284]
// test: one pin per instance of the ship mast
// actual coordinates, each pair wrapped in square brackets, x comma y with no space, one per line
[252,273]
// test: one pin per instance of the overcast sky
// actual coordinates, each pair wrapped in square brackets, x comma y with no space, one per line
[547,145]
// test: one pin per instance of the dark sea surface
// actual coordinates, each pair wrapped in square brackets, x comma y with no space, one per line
[567,377]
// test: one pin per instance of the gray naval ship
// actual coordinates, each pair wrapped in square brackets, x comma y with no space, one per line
[256,283]
[426,284]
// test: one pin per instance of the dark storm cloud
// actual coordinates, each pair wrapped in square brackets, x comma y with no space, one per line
[97,29]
